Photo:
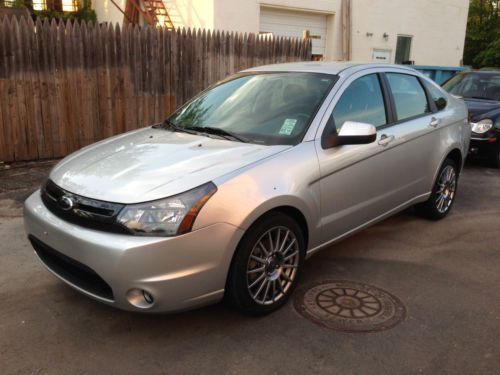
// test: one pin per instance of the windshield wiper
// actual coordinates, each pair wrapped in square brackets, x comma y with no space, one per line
[167,124]
[219,131]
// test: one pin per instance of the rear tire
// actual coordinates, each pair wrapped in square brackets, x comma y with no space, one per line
[266,265]
[443,193]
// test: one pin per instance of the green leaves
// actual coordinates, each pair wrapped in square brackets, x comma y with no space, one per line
[482,47]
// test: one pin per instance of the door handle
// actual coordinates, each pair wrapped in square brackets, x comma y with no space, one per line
[385,139]
[434,122]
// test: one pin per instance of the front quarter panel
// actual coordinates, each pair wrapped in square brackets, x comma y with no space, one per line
[286,179]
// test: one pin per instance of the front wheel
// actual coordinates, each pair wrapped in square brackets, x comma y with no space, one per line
[443,194]
[266,265]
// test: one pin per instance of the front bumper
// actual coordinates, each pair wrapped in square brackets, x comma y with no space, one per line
[484,144]
[180,272]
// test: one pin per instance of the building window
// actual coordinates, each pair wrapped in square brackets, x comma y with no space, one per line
[39,4]
[403,48]
[69,5]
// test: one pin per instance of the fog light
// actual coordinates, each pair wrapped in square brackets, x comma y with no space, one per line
[140,298]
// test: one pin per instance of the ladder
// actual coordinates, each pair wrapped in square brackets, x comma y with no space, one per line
[154,12]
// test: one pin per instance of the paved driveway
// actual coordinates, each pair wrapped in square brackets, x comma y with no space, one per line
[446,273]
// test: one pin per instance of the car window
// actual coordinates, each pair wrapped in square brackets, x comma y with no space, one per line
[409,96]
[264,108]
[438,97]
[362,101]
[475,85]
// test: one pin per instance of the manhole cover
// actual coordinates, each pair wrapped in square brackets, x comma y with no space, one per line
[349,306]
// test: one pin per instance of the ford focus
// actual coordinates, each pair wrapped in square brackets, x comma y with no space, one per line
[230,194]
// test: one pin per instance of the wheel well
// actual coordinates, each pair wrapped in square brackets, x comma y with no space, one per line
[297,215]
[456,156]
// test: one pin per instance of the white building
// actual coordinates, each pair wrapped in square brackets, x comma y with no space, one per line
[428,32]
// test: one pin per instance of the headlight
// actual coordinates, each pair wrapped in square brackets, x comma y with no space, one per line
[482,126]
[166,217]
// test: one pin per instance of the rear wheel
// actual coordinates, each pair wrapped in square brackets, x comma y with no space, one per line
[266,265]
[443,194]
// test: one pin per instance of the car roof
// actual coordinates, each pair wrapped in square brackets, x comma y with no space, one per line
[326,67]
[481,72]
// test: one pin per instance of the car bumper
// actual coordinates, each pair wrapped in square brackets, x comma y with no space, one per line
[483,145]
[179,273]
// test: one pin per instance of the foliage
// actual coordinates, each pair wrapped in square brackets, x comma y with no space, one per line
[482,42]
[84,13]
[80,15]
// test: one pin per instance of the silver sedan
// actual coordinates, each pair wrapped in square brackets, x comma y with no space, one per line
[229,195]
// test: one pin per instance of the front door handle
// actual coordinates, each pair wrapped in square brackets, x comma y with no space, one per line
[434,122]
[385,139]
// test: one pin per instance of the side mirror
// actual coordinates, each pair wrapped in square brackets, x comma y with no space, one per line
[351,133]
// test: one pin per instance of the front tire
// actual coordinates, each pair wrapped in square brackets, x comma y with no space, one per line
[266,265]
[443,193]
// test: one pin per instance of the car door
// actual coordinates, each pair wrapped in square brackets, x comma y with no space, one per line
[360,183]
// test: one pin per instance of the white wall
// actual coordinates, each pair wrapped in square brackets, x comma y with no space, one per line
[243,15]
[438,29]
[191,13]
[437,26]
[184,13]
[106,11]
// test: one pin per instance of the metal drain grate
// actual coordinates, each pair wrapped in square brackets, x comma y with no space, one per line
[349,306]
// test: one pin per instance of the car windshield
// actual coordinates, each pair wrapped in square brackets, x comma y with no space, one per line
[475,85]
[263,108]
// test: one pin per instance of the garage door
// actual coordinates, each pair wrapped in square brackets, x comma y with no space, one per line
[292,24]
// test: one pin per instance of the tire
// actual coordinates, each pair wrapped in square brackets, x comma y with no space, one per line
[264,271]
[440,202]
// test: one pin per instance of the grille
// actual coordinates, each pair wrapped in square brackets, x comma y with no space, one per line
[71,270]
[86,212]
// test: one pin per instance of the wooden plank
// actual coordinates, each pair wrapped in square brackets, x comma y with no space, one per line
[35,131]
[107,70]
[46,145]
[118,84]
[7,151]
[16,95]
[138,79]
[69,91]
[127,69]
[56,89]
[78,67]
[174,77]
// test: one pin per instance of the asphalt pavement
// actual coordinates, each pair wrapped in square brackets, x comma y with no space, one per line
[446,274]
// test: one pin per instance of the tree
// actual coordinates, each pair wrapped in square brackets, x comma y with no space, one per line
[482,41]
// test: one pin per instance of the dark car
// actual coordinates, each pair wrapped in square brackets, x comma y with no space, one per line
[481,92]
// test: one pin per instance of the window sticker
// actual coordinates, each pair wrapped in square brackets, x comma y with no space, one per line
[288,125]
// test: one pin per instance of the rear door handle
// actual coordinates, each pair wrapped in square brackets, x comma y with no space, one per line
[434,122]
[385,139]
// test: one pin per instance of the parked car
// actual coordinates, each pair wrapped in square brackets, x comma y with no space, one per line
[481,92]
[233,191]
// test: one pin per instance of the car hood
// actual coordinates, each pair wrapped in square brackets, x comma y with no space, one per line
[483,108]
[151,164]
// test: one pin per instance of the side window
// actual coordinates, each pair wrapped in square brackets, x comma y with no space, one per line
[362,101]
[409,95]
[438,97]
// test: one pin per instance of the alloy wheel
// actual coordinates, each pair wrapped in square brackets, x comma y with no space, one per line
[272,265]
[447,184]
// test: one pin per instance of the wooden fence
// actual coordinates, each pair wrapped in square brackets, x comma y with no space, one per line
[63,86]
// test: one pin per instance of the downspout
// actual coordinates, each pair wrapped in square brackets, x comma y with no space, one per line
[346,16]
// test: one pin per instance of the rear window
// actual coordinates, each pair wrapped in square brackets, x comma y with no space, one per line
[409,96]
